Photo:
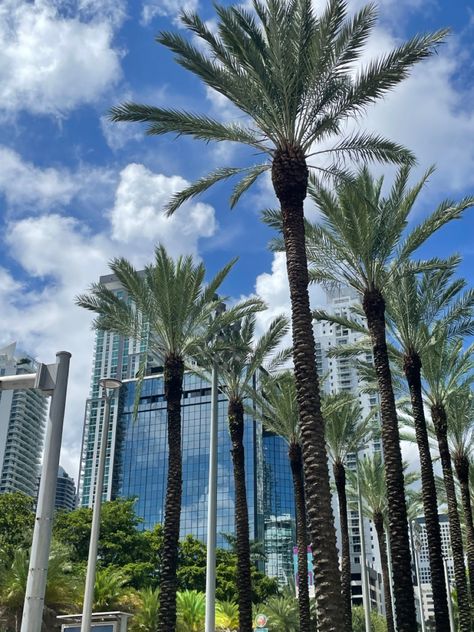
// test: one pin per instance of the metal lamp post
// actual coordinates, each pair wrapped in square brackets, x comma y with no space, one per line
[109,386]
[452,625]
[210,617]
[415,544]
[51,379]
[363,560]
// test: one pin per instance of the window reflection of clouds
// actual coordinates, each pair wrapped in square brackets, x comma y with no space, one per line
[141,463]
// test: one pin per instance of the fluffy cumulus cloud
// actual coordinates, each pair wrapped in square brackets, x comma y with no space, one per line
[27,187]
[137,217]
[61,255]
[49,62]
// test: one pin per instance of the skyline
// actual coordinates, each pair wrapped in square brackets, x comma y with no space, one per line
[76,190]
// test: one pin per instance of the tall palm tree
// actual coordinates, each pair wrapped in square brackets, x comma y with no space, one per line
[448,367]
[369,481]
[239,362]
[169,309]
[295,77]
[460,413]
[277,408]
[347,431]
[416,305]
[361,241]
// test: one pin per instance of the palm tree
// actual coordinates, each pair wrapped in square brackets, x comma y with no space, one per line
[369,481]
[109,589]
[227,616]
[61,588]
[191,611]
[361,242]
[282,613]
[170,310]
[447,367]
[145,618]
[240,360]
[415,306]
[295,77]
[460,413]
[347,431]
[277,408]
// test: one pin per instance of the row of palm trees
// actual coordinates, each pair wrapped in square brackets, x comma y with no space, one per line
[295,77]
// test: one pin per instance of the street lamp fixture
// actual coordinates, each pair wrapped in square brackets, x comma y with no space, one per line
[110,383]
[110,386]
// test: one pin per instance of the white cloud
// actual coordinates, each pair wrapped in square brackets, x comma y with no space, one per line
[27,187]
[49,64]
[119,135]
[61,256]
[166,8]
[24,183]
[137,218]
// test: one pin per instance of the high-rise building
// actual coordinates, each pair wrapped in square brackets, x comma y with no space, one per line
[66,496]
[421,536]
[22,424]
[136,464]
[340,374]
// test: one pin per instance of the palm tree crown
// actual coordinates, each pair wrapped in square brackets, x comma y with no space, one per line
[291,73]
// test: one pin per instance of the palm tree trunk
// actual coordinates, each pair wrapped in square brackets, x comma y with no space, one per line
[290,181]
[374,308]
[244,583]
[412,369]
[438,415]
[173,384]
[462,470]
[340,480]
[379,528]
[296,462]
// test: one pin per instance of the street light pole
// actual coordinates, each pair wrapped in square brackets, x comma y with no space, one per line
[109,386]
[363,561]
[210,621]
[414,545]
[452,626]
[51,379]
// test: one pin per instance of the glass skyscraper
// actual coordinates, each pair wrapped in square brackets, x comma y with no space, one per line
[141,459]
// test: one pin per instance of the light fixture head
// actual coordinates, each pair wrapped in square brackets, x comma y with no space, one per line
[110,383]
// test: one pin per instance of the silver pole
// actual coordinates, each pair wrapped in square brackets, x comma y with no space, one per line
[450,603]
[95,528]
[418,579]
[210,623]
[390,578]
[363,564]
[38,569]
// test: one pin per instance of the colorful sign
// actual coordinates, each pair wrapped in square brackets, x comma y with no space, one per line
[261,621]
[310,570]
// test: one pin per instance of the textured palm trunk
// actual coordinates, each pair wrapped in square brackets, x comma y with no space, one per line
[438,415]
[379,528]
[340,480]
[374,309]
[296,462]
[461,463]
[290,181]
[173,384]
[412,369]
[244,582]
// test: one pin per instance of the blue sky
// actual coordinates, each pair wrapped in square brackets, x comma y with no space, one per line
[76,190]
